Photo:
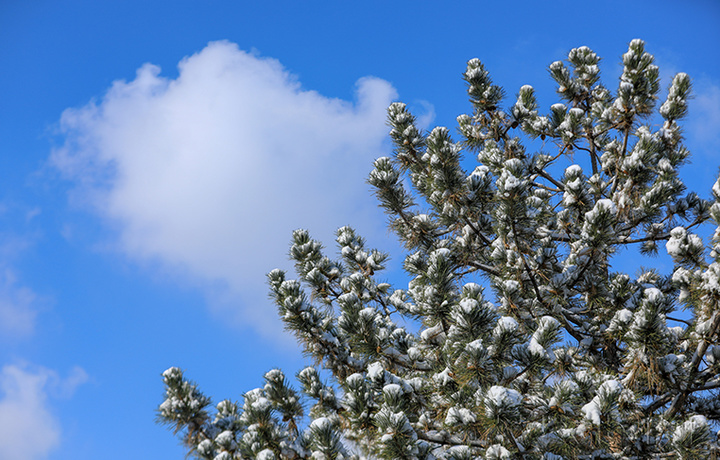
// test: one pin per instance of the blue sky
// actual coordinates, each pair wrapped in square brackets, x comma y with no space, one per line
[156,155]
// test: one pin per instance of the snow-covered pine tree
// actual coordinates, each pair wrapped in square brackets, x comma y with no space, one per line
[531,344]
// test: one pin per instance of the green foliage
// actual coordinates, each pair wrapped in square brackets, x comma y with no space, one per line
[530,344]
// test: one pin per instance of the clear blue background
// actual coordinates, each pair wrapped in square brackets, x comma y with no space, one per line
[106,325]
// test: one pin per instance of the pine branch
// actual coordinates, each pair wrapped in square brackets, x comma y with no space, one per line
[479,266]
[680,397]
[446,439]
[544,175]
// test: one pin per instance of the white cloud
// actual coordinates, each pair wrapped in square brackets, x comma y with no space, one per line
[28,429]
[209,173]
[19,304]
[17,307]
[65,388]
[704,111]
[702,126]
[427,115]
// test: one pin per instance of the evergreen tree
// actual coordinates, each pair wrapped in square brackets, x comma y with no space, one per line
[530,345]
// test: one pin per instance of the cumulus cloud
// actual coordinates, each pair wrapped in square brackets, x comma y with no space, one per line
[208,173]
[28,429]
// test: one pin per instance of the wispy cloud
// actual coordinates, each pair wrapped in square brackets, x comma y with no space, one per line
[705,113]
[209,173]
[28,429]
[19,304]
[17,307]
[427,116]
[702,126]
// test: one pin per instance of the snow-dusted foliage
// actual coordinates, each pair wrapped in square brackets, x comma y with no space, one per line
[531,344]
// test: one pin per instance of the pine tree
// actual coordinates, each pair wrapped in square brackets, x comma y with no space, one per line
[529,343]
